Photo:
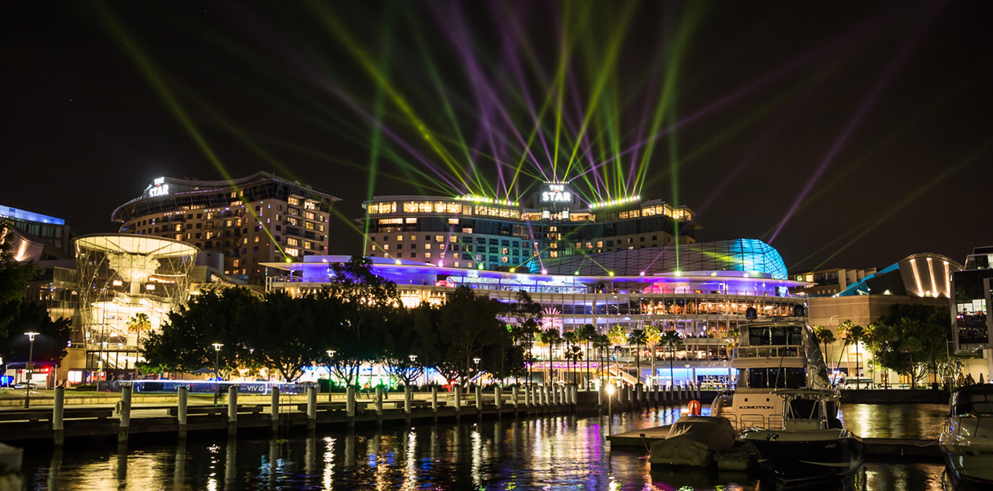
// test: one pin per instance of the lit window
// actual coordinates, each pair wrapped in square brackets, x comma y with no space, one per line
[399,237]
[413,237]
[427,246]
[427,255]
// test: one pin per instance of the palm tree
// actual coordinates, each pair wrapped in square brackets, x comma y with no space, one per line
[573,354]
[617,335]
[138,324]
[587,334]
[872,333]
[851,333]
[551,337]
[731,340]
[652,338]
[824,335]
[570,338]
[637,338]
[601,343]
[670,340]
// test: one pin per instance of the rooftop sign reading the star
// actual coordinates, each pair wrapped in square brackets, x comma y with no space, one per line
[555,193]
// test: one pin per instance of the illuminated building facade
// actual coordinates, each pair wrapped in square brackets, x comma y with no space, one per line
[970,308]
[831,281]
[920,279]
[704,306]
[479,232]
[252,220]
[119,276]
[35,237]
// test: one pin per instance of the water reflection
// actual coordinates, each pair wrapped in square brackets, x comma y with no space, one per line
[544,453]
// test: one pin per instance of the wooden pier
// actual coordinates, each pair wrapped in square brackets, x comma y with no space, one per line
[57,422]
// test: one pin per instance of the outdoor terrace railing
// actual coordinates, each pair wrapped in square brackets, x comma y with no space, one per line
[769,352]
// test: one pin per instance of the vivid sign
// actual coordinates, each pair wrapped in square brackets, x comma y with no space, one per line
[159,188]
[555,193]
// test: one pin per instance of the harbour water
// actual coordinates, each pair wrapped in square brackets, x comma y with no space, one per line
[562,452]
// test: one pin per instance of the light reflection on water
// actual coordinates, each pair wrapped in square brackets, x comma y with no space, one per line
[562,452]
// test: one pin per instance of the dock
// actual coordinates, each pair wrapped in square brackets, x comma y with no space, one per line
[180,414]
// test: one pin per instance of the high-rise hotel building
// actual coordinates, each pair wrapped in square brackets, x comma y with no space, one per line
[483,233]
[252,220]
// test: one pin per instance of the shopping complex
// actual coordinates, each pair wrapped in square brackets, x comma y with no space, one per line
[623,263]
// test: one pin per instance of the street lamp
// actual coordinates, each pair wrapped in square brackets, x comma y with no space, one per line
[217,369]
[610,407]
[476,361]
[30,368]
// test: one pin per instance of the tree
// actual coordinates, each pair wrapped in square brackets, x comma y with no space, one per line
[22,316]
[184,343]
[601,343]
[871,334]
[14,277]
[573,354]
[403,346]
[527,314]
[671,341]
[851,334]
[731,341]
[138,324]
[551,338]
[617,335]
[587,334]
[471,324]
[907,331]
[279,332]
[569,339]
[358,307]
[826,336]
[652,338]
[637,338]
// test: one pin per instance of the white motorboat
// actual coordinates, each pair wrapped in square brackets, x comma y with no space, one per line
[810,445]
[770,356]
[967,439]
[692,442]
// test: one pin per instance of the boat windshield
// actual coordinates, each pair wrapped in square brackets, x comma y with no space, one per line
[973,404]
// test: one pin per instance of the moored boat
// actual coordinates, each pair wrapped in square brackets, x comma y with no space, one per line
[810,446]
[692,442]
[966,441]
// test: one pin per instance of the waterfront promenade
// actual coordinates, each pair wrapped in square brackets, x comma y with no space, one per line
[63,416]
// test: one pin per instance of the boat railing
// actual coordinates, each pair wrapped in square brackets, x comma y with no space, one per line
[745,421]
[769,352]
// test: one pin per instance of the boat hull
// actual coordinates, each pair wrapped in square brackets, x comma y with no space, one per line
[970,463]
[799,461]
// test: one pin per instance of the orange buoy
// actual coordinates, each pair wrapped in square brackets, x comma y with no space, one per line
[694,407]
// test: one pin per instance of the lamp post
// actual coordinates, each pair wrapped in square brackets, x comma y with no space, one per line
[30,368]
[217,369]
[610,407]
[330,353]
[476,361]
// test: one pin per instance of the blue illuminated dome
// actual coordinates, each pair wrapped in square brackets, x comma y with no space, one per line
[746,255]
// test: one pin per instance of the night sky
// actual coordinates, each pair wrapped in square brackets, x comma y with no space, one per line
[848,134]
